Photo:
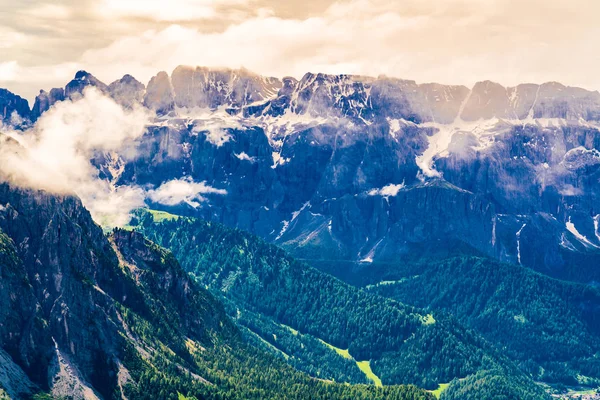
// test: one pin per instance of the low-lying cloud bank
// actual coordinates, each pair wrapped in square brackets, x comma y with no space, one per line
[54,155]
[183,190]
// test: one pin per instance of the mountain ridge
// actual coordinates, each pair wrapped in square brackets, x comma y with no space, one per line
[322,156]
[509,94]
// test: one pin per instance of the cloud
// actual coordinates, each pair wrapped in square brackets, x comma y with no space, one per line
[448,41]
[218,137]
[183,190]
[10,38]
[8,71]
[49,11]
[110,206]
[157,10]
[55,154]
[570,190]
[387,190]
[443,42]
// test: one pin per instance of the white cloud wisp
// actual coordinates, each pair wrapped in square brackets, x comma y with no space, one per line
[54,155]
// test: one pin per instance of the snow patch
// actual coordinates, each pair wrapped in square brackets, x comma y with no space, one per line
[564,242]
[494,220]
[396,126]
[519,243]
[289,123]
[584,240]
[115,166]
[484,132]
[371,254]
[278,160]
[295,215]
[245,157]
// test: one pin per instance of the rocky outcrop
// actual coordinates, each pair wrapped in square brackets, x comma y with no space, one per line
[212,88]
[82,80]
[45,100]
[64,288]
[65,260]
[159,95]
[13,109]
[127,91]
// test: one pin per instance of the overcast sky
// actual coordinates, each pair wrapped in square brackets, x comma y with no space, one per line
[42,44]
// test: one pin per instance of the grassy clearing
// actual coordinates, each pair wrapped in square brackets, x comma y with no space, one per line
[365,367]
[160,216]
[428,319]
[341,352]
[438,392]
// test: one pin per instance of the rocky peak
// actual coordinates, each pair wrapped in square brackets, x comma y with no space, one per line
[487,100]
[528,101]
[397,99]
[211,88]
[82,80]
[45,100]
[555,100]
[330,95]
[13,108]
[159,95]
[288,85]
[127,91]
[442,101]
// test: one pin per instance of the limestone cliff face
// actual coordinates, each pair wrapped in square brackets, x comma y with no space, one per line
[65,259]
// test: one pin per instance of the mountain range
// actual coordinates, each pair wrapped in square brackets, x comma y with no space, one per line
[465,220]
[360,170]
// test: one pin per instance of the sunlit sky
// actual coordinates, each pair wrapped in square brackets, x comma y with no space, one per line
[42,44]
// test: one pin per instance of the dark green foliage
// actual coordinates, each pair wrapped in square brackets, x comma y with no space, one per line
[126,319]
[261,278]
[489,385]
[541,321]
[185,344]
[303,352]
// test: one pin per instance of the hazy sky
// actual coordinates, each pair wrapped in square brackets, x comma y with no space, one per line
[42,44]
